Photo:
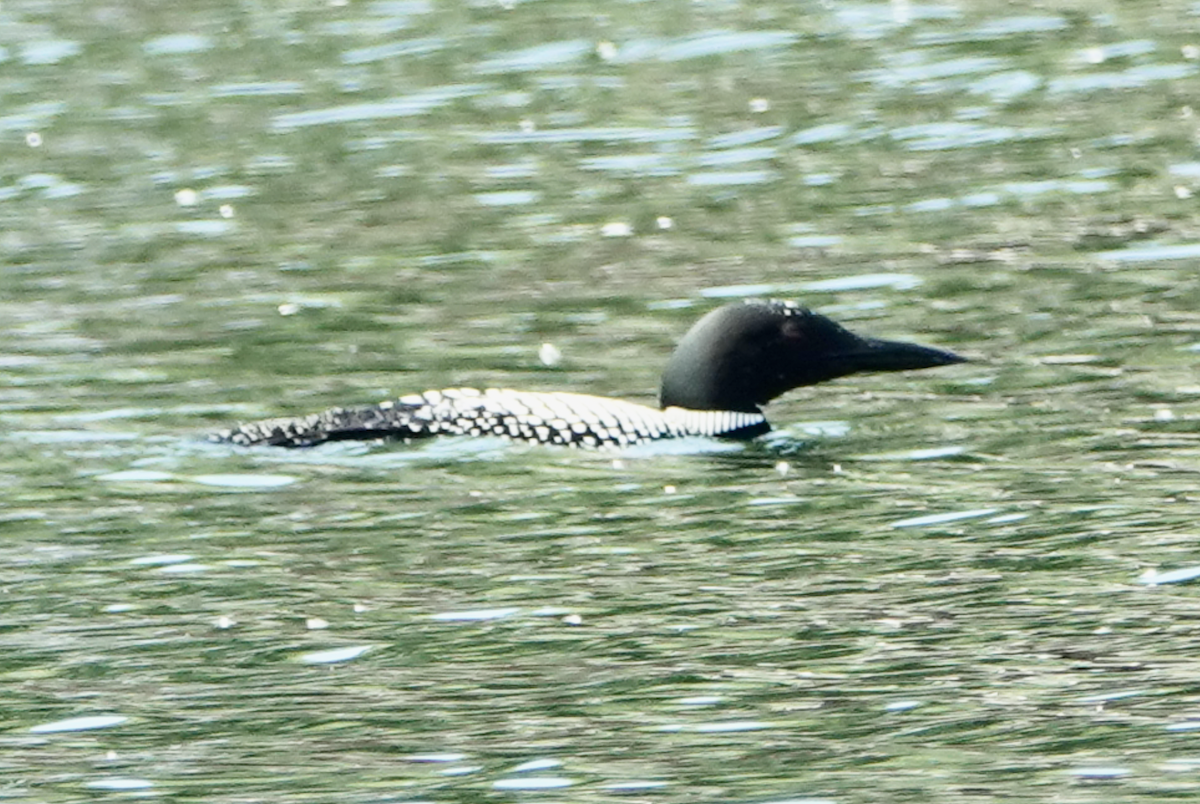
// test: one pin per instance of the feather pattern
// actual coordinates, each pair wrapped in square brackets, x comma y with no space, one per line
[565,419]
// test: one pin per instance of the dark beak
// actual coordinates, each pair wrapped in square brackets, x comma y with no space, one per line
[877,355]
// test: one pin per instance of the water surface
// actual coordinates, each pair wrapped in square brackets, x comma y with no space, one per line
[969,584]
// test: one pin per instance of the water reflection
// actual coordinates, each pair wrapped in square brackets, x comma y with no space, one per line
[417,103]
[48,51]
[553,54]
[707,43]
[88,723]
[177,44]
[393,50]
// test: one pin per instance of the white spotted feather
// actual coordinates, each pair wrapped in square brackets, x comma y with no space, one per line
[558,418]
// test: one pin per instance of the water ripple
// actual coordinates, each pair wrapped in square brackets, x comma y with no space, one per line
[256,89]
[1132,78]
[402,106]
[726,178]
[49,51]
[598,134]
[708,43]
[747,136]
[88,723]
[552,54]
[898,76]
[714,43]
[175,44]
[389,50]
[947,136]
[942,519]
[1152,252]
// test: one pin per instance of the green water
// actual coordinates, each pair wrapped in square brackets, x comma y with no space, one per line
[922,587]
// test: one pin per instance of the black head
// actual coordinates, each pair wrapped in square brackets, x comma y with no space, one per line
[743,355]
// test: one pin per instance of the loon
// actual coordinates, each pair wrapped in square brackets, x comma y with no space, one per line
[727,367]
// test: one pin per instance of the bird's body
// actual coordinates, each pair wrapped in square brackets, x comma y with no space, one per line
[731,363]
[558,418]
